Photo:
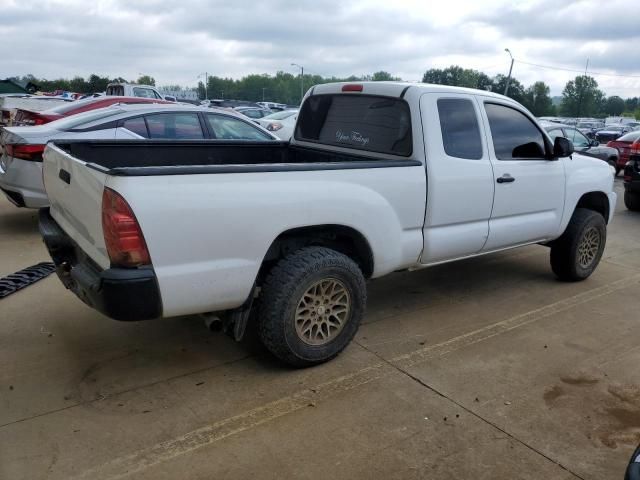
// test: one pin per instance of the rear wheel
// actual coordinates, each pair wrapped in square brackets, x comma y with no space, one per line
[576,254]
[311,306]
[632,201]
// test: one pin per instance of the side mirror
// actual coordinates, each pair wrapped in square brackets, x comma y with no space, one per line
[528,150]
[562,147]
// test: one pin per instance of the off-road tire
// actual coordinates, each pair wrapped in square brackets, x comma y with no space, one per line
[282,293]
[632,201]
[565,251]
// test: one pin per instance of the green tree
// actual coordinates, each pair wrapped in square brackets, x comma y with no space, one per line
[581,97]
[146,80]
[516,89]
[458,77]
[614,105]
[538,100]
[630,104]
[383,76]
[96,83]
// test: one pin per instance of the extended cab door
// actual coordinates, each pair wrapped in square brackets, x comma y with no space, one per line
[459,177]
[529,186]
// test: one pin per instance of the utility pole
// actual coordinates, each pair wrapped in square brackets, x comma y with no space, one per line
[301,79]
[206,84]
[506,87]
[584,80]
[263,89]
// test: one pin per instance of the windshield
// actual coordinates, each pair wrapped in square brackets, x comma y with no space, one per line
[75,121]
[280,115]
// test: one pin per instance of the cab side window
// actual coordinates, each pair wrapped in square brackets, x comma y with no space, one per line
[460,129]
[143,92]
[229,128]
[515,137]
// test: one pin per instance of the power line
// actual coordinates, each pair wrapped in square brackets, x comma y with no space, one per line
[550,67]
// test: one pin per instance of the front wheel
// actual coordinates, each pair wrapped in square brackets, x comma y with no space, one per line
[632,201]
[576,254]
[311,306]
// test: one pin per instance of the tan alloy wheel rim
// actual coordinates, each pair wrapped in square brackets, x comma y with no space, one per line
[322,311]
[589,246]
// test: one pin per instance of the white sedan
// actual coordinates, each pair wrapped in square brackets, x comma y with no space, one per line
[280,124]
[21,148]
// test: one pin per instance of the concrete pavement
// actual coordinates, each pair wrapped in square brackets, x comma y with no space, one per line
[487,368]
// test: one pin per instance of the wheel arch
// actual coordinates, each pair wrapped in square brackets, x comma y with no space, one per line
[344,239]
[597,201]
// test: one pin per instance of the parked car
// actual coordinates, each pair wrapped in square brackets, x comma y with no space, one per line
[589,128]
[623,145]
[302,224]
[9,104]
[584,145]
[612,132]
[632,178]
[21,147]
[30,118]
[280,123]
[253,113]
[136,90]
[273,106]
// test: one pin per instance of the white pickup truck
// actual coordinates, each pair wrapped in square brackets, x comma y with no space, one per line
[378,177]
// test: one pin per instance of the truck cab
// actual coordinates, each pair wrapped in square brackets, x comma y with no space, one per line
[135,90]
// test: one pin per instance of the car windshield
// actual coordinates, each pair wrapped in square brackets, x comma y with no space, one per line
[280,115]
[75,121]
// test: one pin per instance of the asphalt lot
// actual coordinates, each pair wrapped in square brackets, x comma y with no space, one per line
[482,369]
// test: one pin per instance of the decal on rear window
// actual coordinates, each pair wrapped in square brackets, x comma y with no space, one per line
[362,122]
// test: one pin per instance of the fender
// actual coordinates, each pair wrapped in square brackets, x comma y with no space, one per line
[586,175]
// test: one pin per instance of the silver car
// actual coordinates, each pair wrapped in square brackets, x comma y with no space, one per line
[21,148]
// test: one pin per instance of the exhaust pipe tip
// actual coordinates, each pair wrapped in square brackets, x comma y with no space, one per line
[212,322]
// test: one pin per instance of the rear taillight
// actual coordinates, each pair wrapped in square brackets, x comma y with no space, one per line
[26,118]
[635,148]
[25,152]
[122,234]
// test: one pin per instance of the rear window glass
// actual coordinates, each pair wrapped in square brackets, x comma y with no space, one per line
[136,125]
[174,125]
[81,119]
[362,122]
[68,107]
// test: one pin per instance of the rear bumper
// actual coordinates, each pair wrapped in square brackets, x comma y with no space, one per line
[119,293]
[21,182]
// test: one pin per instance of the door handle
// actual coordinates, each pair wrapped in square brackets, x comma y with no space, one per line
[506,178]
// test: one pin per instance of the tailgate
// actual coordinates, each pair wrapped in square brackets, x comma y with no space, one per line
[75,195]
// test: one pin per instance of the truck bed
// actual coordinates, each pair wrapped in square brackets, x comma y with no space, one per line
[184,157]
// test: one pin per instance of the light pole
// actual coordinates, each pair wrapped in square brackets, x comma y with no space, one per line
[506,87]
[206,84]
[301,79]
[263,89]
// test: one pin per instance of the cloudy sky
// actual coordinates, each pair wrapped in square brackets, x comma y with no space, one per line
[176,41]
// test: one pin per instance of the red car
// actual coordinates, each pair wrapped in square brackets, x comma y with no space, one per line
[26,118]
[623,144]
